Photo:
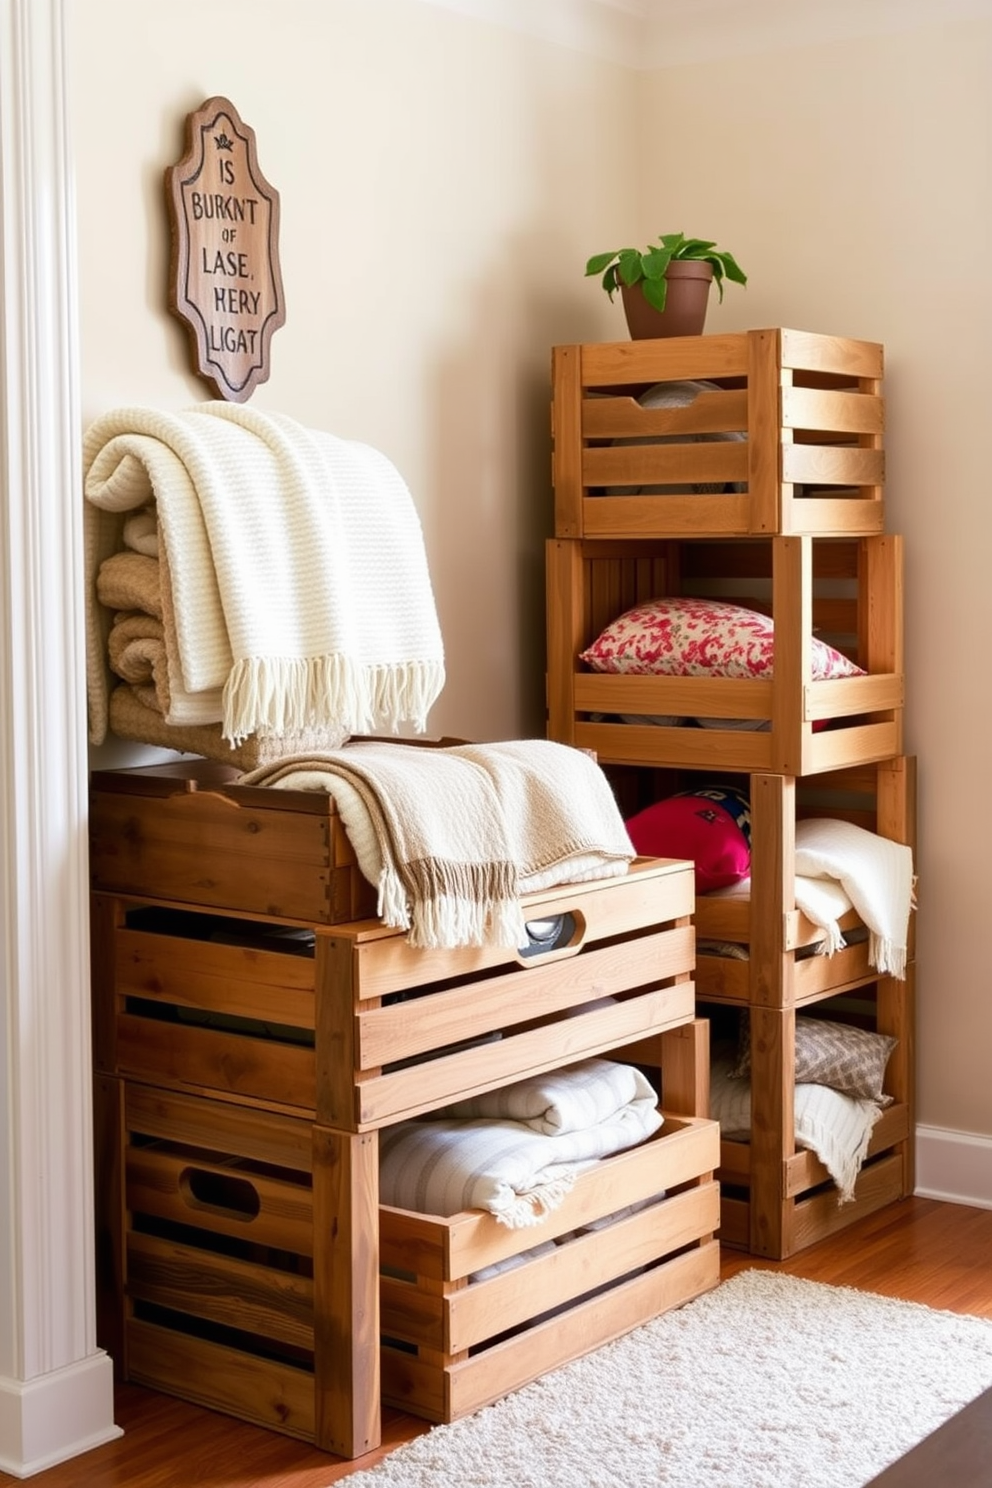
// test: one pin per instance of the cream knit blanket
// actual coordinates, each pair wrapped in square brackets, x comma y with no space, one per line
[839,863]
[452,837]
[297,576]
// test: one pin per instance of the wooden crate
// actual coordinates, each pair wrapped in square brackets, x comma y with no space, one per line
[188,832]
[456,1340]
[777,937]
[358,1029]
[776,1198]
[790,440]
[226,1283]
[847,592]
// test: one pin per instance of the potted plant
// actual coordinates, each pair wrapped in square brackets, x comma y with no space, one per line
[665,288]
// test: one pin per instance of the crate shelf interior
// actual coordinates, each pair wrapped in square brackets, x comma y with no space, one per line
[846,592]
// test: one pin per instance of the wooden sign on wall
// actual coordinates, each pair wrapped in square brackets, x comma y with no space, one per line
[225,279]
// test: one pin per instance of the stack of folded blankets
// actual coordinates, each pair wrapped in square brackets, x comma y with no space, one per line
[517,1152]
[255,588]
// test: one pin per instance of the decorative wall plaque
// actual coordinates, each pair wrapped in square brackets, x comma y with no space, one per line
[225,277]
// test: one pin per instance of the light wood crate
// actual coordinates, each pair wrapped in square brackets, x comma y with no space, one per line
[365,1030]
[215,1224]
[456,1341]
[779,971]
[777,1198]
[804,413]
[847,592]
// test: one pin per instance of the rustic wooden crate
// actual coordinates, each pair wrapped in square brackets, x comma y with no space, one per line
[224,1276]
[880,798]
[776,1198]
[367,1030]
[848,592]
[809,408]
[189,833]
[456,1341]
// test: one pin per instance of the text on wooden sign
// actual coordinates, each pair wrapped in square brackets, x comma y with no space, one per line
[225,278]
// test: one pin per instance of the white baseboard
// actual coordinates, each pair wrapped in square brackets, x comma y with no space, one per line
[954,1166]
[47,1420]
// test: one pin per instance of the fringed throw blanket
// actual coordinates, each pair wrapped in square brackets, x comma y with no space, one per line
[292,582]
[513,1169]
[452,837]
[835,1126]
[835,859]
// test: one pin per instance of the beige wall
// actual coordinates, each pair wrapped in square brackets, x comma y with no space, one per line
[442,181]
[853,182]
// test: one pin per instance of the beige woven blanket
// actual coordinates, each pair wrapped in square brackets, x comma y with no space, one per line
[294,575]
[451,838]
[518,1171]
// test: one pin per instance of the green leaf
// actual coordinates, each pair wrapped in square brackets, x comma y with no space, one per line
[631,266]
[732,268]
[610,280]
[655,292]
[695,248]
[598,262]
[655,263]
[672,241]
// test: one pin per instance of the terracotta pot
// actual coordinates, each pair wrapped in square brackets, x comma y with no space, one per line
[685,306]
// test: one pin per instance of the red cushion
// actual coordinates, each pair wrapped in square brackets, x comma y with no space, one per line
[698,828]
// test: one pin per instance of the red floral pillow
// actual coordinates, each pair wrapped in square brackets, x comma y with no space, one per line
[700,638]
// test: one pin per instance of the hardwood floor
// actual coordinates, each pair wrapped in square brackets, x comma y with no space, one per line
[920,1250]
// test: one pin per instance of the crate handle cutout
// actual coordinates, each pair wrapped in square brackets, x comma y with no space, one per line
[553,938]
[220,1193]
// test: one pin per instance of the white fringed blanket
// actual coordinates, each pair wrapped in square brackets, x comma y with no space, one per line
[838,865]
[452,837]
[516,1172]
[294,582]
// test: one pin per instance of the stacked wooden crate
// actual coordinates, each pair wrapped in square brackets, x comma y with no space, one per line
[764,487]
[255,1026]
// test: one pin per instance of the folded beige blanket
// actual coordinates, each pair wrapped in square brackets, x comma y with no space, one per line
[560,1101]
[292,572]
[452,837]
[517,1173]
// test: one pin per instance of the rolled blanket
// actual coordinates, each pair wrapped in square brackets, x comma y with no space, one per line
[504,1166]
[451,838]
[875,873]
[563,1101]
[130,581]
[135,714]
[293,571]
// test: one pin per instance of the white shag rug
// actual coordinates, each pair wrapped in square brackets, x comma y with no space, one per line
[765,1382]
